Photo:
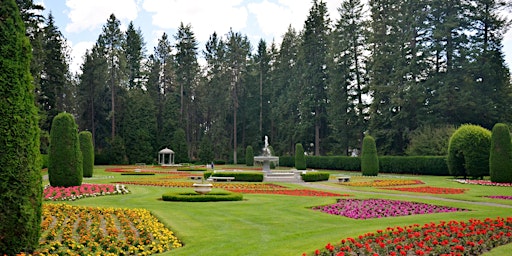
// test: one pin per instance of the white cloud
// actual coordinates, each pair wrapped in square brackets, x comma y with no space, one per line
[92,14]
[205,16]
[77,55]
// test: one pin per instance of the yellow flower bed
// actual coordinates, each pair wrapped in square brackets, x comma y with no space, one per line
[383,183]
[77,230]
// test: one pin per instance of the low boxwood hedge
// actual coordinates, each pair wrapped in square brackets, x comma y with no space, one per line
[239,176]
[192,168]
[195,197]
[315,176]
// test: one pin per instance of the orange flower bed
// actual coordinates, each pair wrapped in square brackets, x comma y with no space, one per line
[383,183]
[431,190]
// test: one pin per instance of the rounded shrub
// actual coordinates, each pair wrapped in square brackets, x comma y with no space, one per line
[300,158]
[65,168]
[468,151]
[20,182]
[500,159]
[195,197]
[369,157]
[249,156]
[87,149]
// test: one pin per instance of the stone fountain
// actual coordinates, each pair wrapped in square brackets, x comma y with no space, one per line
[266,157]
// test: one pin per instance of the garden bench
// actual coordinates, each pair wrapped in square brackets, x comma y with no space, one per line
[213,178]
[343,179]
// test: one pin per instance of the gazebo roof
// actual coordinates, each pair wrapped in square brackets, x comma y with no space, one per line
[166,151]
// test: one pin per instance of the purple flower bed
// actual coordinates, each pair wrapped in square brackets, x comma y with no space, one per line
[501,197]
[380,208]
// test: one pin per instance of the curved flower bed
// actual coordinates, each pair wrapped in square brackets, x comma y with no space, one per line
[484,182]
[473,237]
[383,183]
[78,230]
[501,197]
[431,190]
[85,190]
[380,208]
[290,192]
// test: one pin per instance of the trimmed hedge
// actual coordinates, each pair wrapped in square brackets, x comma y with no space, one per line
[315,176]
[346,163]
[87,149]
[300,158]
[500,159]
[249,156]
[195,197]
[420,165]
[468,151]
[65,168]
[239,176]
[369,158]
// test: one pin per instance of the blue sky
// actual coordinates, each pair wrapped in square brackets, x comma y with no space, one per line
[81,21]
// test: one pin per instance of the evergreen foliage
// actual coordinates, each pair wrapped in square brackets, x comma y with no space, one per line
[300,158]
[429,141]
[65,167]
[468,151]
[249,156]
[206,154]
[369,157]
[87,149]
[500,159]
[116,151]
[21,181]
[180,147]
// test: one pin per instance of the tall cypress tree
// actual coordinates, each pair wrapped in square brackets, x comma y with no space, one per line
[20,182]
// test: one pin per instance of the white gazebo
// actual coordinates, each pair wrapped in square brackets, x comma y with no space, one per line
[166,157]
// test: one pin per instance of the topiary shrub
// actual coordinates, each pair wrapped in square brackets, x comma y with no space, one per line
[500,159]
[249,156]
[195,197]
[468,151]
[65,168]
[300,158]
[87,149]
[315,176]
[20,181]
[369,158]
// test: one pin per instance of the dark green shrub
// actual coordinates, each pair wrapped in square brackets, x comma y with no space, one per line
[369,158]
[429,141]
[116,151]
[249,156]
[300,158]
[239,176]
[195,197]
[20,181]
[206,153]
[468,151]
[315,176]
[87,149]
[44,161]
[65,168]
[500,159]
[421,165]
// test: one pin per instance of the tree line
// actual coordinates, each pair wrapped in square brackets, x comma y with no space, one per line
[388,68]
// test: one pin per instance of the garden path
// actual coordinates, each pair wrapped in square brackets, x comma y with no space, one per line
[347,190]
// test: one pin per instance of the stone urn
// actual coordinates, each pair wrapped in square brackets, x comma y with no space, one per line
[202,188]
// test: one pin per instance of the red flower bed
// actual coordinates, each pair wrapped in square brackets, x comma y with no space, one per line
[473,237]
[290,192]
[84,190]
[431,190]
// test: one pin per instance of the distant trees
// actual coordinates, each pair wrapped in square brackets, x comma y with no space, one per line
[21,181]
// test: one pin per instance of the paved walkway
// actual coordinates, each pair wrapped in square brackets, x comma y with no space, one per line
[347,190]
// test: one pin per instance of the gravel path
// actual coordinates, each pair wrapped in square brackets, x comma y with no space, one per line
[347,190]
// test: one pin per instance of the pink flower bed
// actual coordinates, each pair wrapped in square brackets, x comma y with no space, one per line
[381,208]
[501,197]
[85,190]
[484,182]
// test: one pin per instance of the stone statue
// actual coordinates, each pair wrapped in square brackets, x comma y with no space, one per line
[266,150]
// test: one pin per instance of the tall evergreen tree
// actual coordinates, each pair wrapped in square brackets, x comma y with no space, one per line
[314,53]
[21,181]
[134,49]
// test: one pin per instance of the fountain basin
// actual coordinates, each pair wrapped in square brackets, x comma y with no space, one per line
[265,160]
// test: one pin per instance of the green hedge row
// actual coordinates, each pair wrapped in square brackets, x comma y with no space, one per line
[426,165]
[315,176]
[195,197]
[239,176]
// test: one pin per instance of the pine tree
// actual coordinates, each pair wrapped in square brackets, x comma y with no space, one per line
[21,181]
[134,49]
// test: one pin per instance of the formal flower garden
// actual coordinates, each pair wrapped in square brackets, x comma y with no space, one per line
[383,183]
[85,190]
[472,237]
[78,230]
[380,208]
[431,190]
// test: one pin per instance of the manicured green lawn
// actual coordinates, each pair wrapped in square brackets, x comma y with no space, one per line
[280,224]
